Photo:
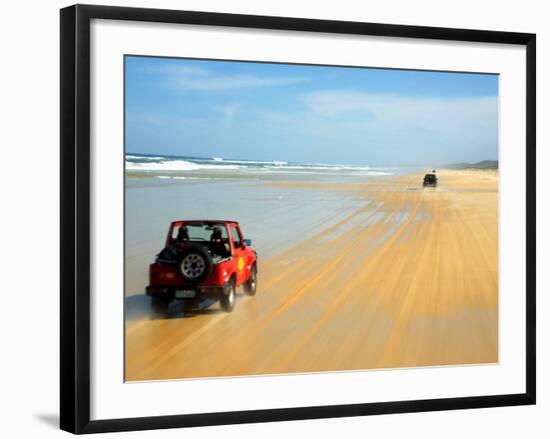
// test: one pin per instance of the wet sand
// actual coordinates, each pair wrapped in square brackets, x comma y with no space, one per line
[407,278]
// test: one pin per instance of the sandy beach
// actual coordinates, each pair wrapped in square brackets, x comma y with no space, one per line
[363,274]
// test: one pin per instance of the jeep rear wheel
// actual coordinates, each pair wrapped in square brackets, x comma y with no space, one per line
[228,297]
[251,284]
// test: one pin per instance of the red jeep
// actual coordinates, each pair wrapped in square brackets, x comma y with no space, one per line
[202,258]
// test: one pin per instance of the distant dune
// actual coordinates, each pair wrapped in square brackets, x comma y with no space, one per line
[484,164]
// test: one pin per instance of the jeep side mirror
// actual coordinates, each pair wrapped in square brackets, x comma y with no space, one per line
[247,242]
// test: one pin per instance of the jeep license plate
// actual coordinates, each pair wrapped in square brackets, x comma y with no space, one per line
[185,294]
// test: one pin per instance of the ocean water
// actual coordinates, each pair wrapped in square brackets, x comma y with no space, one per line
[217,168]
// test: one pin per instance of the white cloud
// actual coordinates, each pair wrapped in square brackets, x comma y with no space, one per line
[390,106]
[229,110]
[200,79]
[173,69]
[218,82]
[469,118]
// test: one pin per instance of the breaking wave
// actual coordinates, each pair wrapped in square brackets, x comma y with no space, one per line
[147,163]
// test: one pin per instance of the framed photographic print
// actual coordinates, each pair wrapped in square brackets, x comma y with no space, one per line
[268,218]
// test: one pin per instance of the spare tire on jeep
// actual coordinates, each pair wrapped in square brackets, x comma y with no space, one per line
[195,263]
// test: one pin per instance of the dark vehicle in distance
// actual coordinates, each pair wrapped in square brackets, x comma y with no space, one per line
[430,180]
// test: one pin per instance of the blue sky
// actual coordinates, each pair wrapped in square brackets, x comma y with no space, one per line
[309,114]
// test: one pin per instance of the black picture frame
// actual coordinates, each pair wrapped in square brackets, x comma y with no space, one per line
[75,217]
